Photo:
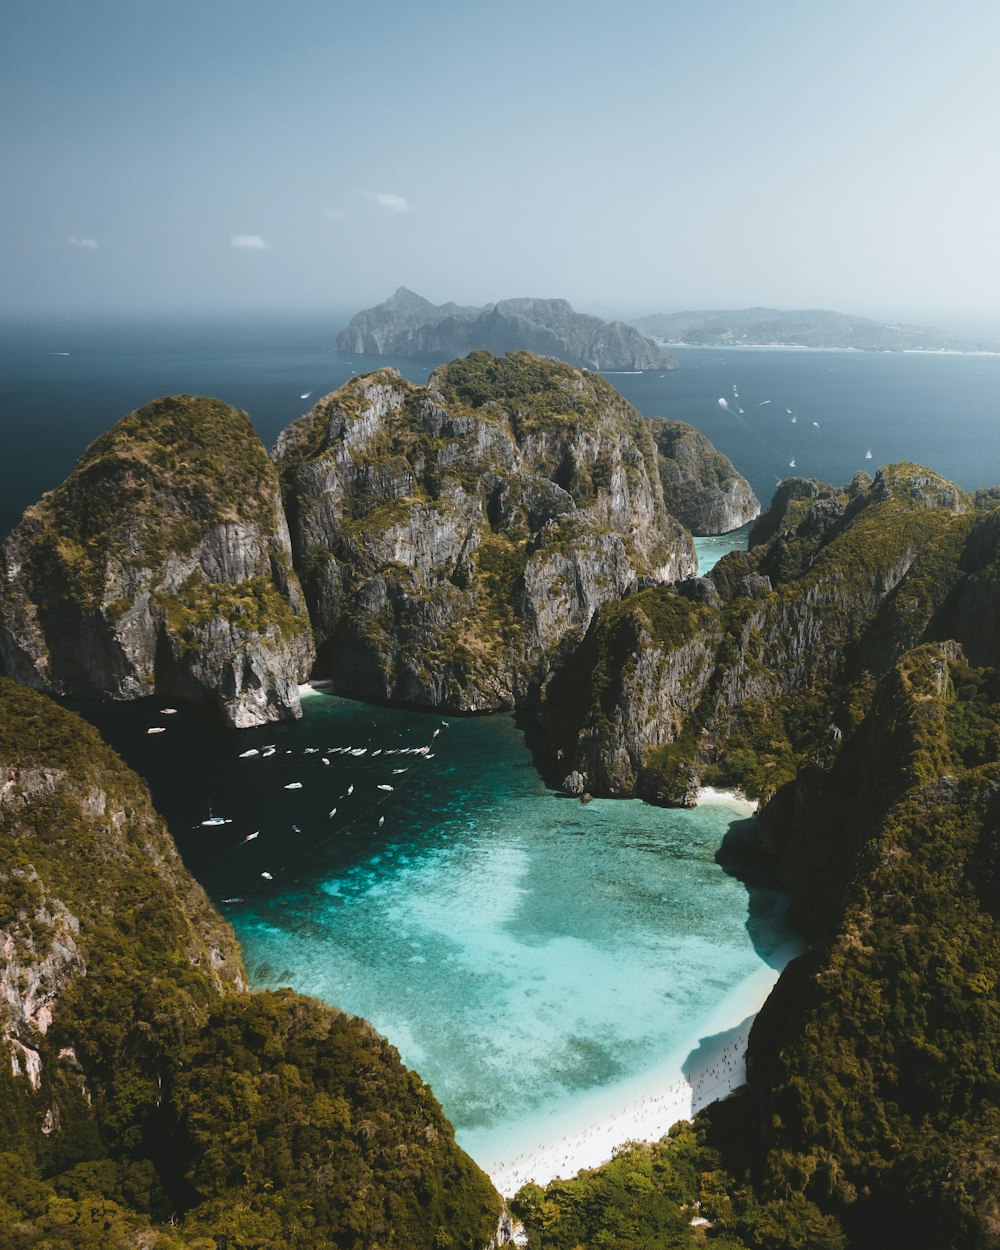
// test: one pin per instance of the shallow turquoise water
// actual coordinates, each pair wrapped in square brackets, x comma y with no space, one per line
[711,548]
[525,952]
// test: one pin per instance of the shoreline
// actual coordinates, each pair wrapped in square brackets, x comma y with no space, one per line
[721,1071]
[709,796]
[644,1108]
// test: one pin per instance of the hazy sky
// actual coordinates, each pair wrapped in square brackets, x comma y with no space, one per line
[633,157]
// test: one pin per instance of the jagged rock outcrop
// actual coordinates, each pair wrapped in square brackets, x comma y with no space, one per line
[700,486]
[409,326]
[162,566]
[669,685]
[145,1096]
[454,540]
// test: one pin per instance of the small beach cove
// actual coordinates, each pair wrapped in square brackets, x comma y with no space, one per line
[565,976]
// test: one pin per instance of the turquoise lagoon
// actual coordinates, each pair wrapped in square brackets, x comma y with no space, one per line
[536,959]
[710,548]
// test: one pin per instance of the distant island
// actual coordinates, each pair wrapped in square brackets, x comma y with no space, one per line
[811,327]
[411,327]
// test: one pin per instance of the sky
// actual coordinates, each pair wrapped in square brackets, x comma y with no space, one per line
[644,156]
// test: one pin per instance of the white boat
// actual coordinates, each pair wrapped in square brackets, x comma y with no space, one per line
[267,876]
[169,711]
[216,820]
[384,787]
[245,755]
[157,729]
[294,785]
[868,454]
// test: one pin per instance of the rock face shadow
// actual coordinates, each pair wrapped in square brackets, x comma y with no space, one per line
[741,856]
[717,1065]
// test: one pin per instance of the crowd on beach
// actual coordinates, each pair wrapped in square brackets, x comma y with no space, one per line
[647,1119]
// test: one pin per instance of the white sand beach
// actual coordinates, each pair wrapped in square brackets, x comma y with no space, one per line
[714,1067]
[648,1119]
[726,798]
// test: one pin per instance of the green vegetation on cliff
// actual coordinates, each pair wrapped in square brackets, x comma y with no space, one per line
[146,1097]
[170,469]
[790,636]
[161,563]
[454,540]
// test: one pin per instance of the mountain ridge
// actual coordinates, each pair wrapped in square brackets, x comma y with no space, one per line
[817,328]
[407,325]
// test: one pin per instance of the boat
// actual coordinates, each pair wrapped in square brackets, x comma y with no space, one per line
[157,729]
[868,454]
[385,787]
[245,755]
[212,821]
[294,785]
[169,711]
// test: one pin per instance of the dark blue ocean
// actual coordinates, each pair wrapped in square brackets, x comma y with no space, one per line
[532,957]
[62,384]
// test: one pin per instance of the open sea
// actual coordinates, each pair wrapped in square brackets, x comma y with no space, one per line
[529,955]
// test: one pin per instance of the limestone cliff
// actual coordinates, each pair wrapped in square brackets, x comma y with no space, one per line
[700,486]
[455,540]
[161,565]
[726,677]
[84,850]
[409,326]
[146,1097]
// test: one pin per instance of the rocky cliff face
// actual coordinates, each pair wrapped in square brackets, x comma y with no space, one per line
[700,486]
[161,565]
[726,678]
[84,850]
[146,1098]
[409,326]
[454,540]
